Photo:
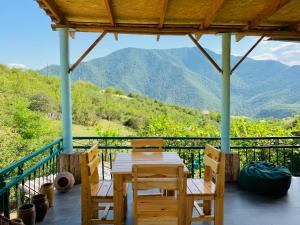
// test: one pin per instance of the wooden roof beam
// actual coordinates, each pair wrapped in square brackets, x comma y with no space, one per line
[247,53]
[176,30]
[274,6]
[216,5]
[210,59]
[53,10]
[163,13]
[109,11]
[295,26]
[88,51]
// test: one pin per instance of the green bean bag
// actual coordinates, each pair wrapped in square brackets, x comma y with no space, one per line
[265,178]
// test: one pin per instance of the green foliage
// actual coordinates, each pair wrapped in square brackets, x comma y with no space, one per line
[40,102]
[27,99]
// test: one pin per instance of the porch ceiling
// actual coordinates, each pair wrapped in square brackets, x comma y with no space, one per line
[274,18]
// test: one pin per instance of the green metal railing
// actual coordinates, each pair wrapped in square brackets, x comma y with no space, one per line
[278,150]
[22,179]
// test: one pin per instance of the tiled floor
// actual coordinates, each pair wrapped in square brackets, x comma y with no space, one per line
[241,208]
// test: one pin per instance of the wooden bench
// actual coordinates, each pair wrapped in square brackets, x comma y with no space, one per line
[147,145]
[201,192]
[163,210]
[96,195]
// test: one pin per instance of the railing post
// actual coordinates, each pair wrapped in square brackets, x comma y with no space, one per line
[66,100]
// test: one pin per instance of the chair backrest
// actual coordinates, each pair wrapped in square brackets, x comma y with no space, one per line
[89,162]
[214,161]
[147,145]
[159,176]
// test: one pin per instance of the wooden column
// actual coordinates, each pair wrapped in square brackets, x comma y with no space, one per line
[71,163]
[232,166]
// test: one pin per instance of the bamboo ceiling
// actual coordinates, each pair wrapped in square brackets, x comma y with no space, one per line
[274,18]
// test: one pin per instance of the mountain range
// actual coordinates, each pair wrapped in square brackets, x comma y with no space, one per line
[260,88]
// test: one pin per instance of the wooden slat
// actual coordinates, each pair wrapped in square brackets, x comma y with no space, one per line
[93,165]
[159,183]
[92,153]
[104,188]
[155,145]
[206,187]
[163,13]
[273,7]
[109,11]
[212,152]
[211,163]
[193,189]
[216,5]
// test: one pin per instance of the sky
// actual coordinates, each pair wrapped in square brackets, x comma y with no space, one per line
[27,40]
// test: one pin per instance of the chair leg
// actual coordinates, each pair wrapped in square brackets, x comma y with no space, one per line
[207,207]
[95,212]
[189,210]
[219,211]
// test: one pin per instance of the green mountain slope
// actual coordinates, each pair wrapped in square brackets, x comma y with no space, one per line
[183,76]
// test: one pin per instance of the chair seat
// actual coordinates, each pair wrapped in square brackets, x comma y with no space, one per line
[200,187]
[104,190]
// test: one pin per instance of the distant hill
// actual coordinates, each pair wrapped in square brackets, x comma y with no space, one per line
[260,88]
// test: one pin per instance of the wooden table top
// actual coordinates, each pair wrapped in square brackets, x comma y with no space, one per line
[124,161]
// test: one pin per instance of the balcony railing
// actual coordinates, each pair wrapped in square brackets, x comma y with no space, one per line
[22,179]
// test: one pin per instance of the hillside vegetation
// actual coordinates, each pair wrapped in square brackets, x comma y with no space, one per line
[260,88]
[30,115]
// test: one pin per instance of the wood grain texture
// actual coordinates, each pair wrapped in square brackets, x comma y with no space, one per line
[147,145]
[209,189]
[94,191]
[177,17]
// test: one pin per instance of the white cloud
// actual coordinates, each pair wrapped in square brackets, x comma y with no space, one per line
[286,53]
[16,65]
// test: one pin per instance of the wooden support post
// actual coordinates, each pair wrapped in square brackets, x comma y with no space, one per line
[71,163]
[232,166]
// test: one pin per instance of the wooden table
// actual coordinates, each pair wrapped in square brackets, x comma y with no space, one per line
[122,174]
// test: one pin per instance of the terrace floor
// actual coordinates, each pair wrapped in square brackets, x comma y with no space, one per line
[241,208]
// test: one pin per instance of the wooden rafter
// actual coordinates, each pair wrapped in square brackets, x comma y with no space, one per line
[274,6]
[216,5]
[210,59]
[163,13]
[247,53]
[109,11]
[52,8]
[87,51]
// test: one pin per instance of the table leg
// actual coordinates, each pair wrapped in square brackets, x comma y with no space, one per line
[118,199]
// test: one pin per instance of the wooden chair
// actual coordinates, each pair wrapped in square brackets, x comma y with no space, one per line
[94,191]
[162,210]
[147,145]
[201,192]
